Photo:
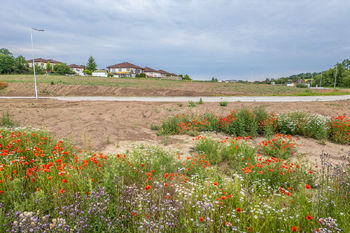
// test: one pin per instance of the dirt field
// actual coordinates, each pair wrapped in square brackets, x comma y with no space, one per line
[114,126]
[22,85]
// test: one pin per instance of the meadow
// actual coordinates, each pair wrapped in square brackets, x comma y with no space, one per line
[50,185]
[55,85]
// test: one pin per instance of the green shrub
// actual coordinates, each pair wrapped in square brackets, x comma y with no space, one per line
[292,123]
[200,101]
[223,103]
[191,104]
[279,146]
[316,127]
[340,129]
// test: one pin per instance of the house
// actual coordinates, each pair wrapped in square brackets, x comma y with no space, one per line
[124,69]
[152,72]
[41,62]
[164,73]
[77,68]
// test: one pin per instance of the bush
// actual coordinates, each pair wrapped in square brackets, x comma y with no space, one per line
[279,146]
[292,123]
[223,104]
[340,129]
[62,69]
[316,126]
[200,101]
[3,85]
[191,104]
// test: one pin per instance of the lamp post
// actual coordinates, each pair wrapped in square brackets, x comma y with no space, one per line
[31,39]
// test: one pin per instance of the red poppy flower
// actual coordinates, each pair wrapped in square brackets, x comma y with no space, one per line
[64,181]
[294,228]
[148,187]
[61,191]
[308,217]
[239,210]
[307,186]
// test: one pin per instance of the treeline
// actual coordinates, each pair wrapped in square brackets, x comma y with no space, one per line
[12,65]
[19,65]
[338,75]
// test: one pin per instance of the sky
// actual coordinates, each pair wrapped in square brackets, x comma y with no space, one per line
[226,39]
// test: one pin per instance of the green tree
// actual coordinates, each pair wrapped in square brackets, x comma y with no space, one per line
[91,65]
[62,69]
[346,79]
[7,64]
[5,52]
[21,65]
[346,64]
[38,70]
[186,77]
[48,67]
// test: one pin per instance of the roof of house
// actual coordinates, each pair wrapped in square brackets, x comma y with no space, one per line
[76,66]
[125,65]
[148,69]
[43,60]
[172,74]
[164,72]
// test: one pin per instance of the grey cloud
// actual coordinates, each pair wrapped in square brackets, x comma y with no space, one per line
[222,38]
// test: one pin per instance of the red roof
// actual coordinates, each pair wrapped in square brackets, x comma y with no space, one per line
[43,60]
[148,69]
[76,66]
[125,65]
[164,72]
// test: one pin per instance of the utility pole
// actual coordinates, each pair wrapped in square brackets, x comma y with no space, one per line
[335,78]
[31,39]
[321,80]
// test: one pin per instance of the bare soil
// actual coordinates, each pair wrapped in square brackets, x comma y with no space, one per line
[114,126]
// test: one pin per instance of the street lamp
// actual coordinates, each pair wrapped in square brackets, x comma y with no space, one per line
[31,39]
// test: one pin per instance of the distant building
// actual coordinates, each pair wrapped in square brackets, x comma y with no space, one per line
[100,73]
[78,69]
[124,69]
[152,72]
[41,62]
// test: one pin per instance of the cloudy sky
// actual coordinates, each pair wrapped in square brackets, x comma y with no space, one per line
[227,39]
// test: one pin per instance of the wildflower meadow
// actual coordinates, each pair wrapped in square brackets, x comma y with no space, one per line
[230,185]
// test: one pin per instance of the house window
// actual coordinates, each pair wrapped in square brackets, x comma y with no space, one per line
[120,69]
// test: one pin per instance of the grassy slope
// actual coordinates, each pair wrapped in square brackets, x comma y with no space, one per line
[237,89]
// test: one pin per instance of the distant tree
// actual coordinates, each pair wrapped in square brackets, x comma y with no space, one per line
[346,79]
[49,67]
[186,77]
[91,65]
[7,64]
[62,69]
[88,72]
[5,52]
[38,70]
[21,65]
[346,64]
[181,76]
[214,80]
[141,75]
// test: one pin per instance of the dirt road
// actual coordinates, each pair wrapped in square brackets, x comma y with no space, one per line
[193,99]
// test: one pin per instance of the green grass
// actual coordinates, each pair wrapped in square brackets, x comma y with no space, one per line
[213,89]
